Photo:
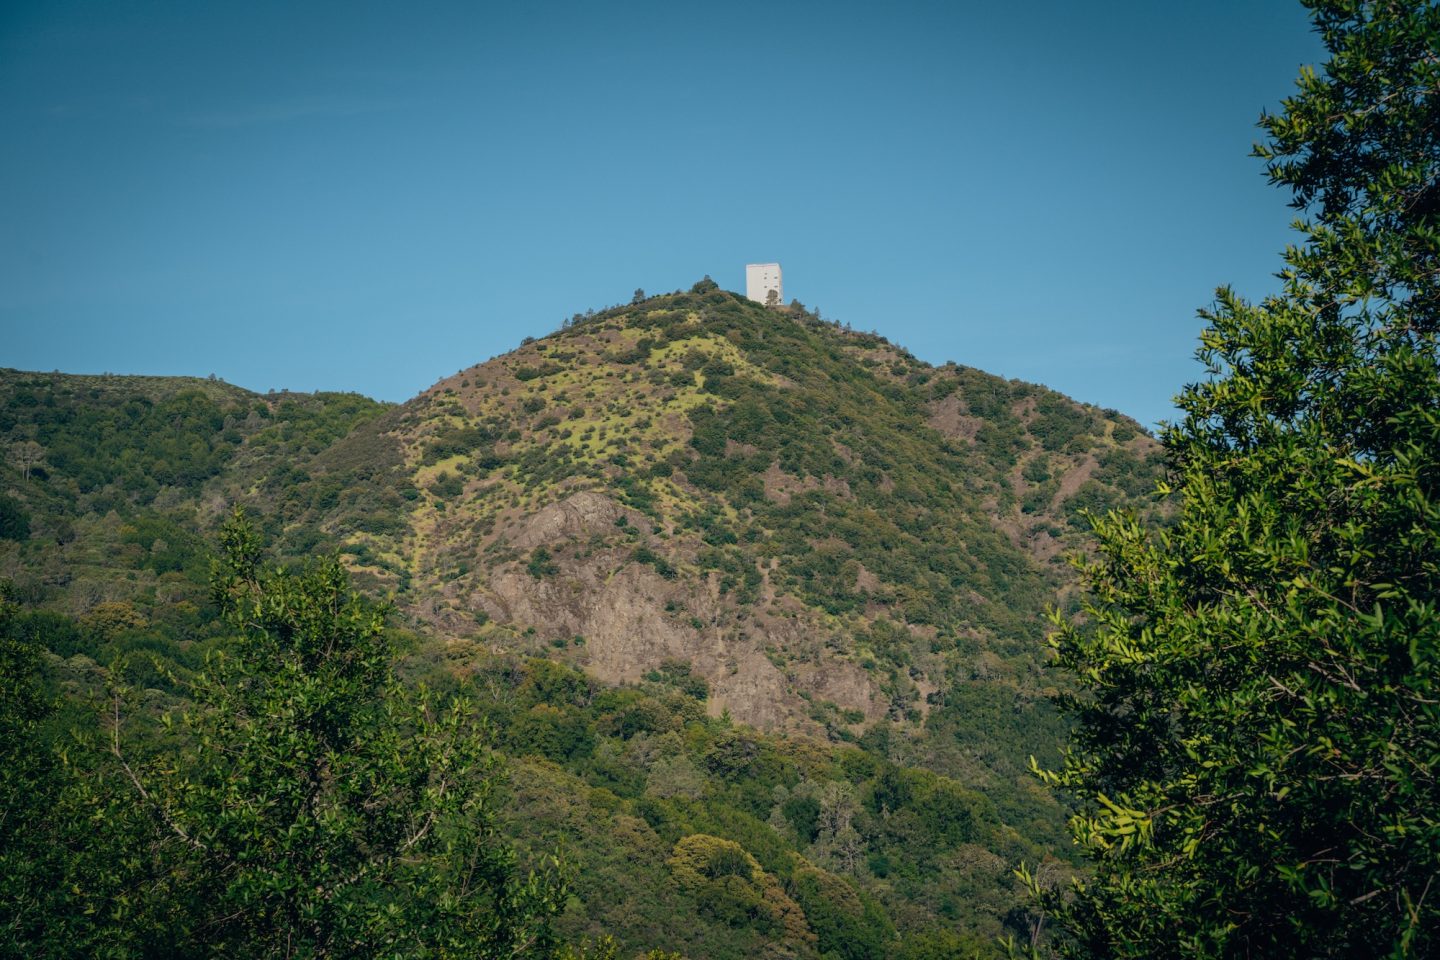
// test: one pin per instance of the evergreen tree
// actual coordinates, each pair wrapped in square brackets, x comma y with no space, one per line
[1259,723]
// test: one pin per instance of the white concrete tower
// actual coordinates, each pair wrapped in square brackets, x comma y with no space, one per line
[761,279]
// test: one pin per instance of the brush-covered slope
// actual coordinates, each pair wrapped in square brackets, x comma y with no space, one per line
[109,485]
[709,508]
[825,529]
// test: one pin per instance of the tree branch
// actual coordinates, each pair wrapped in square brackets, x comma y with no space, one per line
[145,794]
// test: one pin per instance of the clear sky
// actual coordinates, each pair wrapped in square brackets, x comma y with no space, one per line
[368,197]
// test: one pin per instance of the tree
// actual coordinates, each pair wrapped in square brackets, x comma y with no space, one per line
[847,925]
[772,299]
[730,886]
[1255,761]
[318,807]
[27,787]
[14,521]
[72,854]
[27,455]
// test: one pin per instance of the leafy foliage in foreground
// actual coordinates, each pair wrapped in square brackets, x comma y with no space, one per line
[1258,750]
[28,785]
[302,802]
[330,809]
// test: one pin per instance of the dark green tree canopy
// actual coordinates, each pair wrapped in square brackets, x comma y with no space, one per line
[1259,733]
[320,808]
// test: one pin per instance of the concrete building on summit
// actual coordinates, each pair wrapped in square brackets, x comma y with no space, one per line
[761,279]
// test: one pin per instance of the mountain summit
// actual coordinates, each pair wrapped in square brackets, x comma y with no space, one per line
[825,529]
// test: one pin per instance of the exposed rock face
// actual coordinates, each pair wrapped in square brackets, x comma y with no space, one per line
[573,518]
[632,619]
[950,417]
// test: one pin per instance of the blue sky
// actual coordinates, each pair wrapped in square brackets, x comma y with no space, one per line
[371,196]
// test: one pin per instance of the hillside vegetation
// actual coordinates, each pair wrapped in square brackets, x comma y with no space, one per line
[811,517]
[752,602]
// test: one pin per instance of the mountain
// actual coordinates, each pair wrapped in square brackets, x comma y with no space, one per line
[729,582]
[827,530]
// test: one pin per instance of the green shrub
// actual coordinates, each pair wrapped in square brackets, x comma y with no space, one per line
[14,520]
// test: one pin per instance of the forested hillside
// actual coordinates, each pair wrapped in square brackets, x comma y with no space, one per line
[112,485]
[752,603]
[828,530]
